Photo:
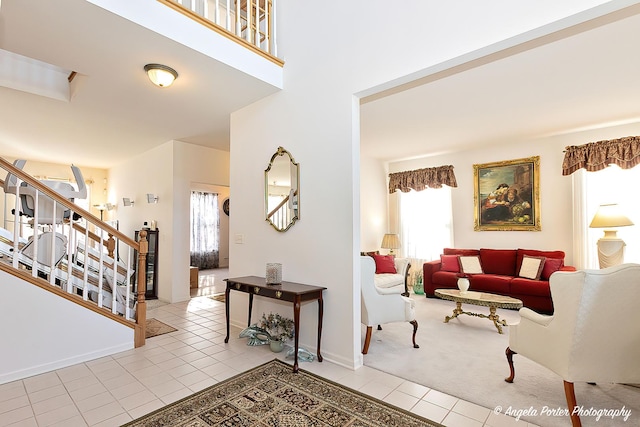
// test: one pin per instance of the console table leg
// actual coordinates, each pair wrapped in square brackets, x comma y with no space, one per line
[320,313]
[250,308]
[296,323]
[226,310]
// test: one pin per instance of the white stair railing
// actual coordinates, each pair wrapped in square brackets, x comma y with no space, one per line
[252,21]
[64,251]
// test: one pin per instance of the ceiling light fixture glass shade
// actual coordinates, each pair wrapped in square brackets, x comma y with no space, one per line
[161,75]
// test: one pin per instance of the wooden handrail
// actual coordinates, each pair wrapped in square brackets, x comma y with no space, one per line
[110,243]
[281,204]
[142,247]
[66,203]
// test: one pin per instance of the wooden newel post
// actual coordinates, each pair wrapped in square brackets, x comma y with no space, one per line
[141,310]
[111,245]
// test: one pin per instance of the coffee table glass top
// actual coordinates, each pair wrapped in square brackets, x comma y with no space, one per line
[479,298]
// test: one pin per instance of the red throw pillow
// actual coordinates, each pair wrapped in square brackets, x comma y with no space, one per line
[385,264]
[551,265]
[449,263]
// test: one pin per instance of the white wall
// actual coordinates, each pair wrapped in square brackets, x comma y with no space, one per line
[194,165]
[40,331]
[150,172]
[555,190]
[373,203]
[223,193]
[315,117]
[169,171]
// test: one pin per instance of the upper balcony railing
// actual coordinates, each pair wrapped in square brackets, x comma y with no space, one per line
[250,22]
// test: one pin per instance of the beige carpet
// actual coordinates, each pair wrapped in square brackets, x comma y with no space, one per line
[272,395]
[156,327]
[465,358]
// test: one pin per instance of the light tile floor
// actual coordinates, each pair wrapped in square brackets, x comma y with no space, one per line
[114,390]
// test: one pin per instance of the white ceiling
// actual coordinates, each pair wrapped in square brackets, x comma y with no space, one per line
[116,111]
[587,79]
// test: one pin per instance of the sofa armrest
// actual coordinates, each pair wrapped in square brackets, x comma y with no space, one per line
[428,268]
[402,267]
[567,268]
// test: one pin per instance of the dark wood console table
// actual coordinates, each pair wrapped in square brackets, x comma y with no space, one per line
[286,291]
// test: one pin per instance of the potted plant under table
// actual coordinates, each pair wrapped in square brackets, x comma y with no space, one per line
[279,328]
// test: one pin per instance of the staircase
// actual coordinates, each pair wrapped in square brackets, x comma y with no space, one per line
[65,280]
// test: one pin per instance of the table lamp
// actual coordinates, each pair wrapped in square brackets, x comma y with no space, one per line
[610,247]
[391,242]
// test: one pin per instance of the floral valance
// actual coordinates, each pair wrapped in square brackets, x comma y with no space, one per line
[421,179]
[595,156]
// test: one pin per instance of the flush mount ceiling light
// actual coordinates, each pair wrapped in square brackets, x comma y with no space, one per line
[161,75]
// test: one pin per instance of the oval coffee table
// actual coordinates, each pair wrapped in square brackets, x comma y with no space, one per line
[493,301]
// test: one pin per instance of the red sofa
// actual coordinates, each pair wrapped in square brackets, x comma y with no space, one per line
[500,269]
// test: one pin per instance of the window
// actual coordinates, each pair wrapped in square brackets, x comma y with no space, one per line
[426,222]
[591,189]
[205,230]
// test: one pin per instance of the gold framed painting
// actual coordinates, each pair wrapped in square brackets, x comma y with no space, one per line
[506,195]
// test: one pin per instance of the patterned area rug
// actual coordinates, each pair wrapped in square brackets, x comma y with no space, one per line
[272,395]
[156,327]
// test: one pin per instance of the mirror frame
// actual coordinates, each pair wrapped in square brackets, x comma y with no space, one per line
[295,184]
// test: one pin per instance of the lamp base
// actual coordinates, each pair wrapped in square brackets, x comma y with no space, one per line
[610,251]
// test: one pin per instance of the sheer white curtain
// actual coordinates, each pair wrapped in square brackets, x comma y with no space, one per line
[590,190]
[426,223]
[205,230]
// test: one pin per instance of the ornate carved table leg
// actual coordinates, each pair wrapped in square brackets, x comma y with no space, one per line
[456,312]
[496,319]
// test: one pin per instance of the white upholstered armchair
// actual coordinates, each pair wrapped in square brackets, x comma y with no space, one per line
[593,335]
[379,308]
[394,283]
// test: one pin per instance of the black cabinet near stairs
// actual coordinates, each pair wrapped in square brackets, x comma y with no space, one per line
[151,289]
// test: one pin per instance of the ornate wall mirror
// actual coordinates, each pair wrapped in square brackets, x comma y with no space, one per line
[282,190]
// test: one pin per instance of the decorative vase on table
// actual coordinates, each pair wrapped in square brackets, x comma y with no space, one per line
[463,284]
[274,273]
[276,345]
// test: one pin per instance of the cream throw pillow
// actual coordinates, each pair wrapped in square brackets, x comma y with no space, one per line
[531,267]
[470,264]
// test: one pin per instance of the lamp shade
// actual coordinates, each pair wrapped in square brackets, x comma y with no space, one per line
[609,216]
[161,75]
[390,241]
